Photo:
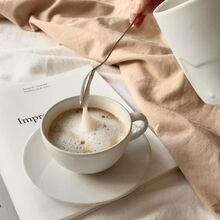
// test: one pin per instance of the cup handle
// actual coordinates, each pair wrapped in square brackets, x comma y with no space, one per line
[137,116]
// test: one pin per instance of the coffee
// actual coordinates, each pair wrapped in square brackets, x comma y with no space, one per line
[67,131]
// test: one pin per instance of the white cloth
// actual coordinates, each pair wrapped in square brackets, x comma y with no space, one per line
[26,56]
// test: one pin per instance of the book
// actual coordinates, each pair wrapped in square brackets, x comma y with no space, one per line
[21,112]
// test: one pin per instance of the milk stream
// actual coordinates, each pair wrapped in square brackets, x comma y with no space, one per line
[88,123]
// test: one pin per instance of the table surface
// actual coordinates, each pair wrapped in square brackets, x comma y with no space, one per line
[7,210]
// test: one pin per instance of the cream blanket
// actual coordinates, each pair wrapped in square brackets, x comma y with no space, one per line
[188,127]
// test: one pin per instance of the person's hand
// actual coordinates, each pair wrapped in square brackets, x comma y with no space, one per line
[141,8]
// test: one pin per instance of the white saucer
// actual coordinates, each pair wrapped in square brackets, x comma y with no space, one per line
[64,185]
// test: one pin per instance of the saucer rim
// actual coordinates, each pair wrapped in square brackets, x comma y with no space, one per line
[138,182]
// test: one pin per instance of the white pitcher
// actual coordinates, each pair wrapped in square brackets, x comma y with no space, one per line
[192,29]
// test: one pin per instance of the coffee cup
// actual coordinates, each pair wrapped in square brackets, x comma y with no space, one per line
[93,162]
[192,30]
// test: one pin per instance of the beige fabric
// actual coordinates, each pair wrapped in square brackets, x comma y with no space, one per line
[188,127]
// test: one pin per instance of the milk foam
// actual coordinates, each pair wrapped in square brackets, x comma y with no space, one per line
[68,132]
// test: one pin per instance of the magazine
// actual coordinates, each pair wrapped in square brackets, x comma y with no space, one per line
[22,109]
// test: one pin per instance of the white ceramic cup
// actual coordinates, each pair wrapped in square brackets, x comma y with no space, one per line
[192,30]
[87,163]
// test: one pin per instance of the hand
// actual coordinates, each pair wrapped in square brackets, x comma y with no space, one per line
[142,8]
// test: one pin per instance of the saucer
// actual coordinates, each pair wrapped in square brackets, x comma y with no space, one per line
[64,185]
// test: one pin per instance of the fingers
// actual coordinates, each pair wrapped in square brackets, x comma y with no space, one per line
[139,20]
[140,8]
[155,3]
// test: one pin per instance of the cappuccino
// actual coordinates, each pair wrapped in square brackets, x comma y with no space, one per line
[67,131]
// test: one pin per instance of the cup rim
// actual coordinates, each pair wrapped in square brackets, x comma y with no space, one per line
[157,10]
[89,153]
